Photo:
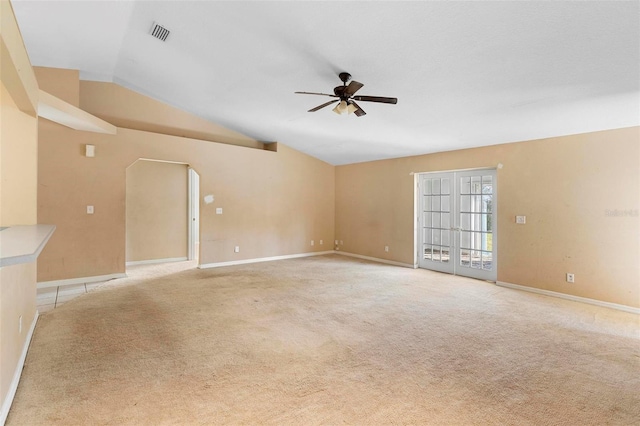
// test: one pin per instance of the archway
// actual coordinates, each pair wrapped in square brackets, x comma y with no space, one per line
[161,218]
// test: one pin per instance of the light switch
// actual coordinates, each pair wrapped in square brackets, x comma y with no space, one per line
[218,210]
[521,220]
[89,209]
[90,150]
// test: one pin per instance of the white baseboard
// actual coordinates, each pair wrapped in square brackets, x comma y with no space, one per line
[8,400]
[82,280]
[262,259]
[376,259]
[571,297]
[152,261]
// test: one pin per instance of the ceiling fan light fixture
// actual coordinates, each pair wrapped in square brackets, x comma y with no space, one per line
[341,108]
[351,108]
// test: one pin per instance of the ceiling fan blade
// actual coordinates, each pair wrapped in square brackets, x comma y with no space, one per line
[380,99]
[315,93]
[323,105]
[352,88]
[359,112]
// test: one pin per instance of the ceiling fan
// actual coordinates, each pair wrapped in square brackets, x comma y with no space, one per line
[347,99]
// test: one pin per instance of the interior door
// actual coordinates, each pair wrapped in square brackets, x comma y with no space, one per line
[475,220]
[456,223]
[435,220]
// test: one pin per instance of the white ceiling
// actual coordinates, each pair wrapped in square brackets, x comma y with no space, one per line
[466,74]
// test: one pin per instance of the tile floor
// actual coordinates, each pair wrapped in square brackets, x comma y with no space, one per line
[50,298]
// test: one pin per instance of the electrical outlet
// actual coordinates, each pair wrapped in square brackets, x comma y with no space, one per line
[386,248]
[571,278]
[236,249]
[89,209]
[521,220]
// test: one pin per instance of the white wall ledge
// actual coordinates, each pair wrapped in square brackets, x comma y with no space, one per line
[23,243]
[61,112]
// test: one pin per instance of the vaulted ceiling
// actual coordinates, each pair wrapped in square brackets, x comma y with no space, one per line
[466,74]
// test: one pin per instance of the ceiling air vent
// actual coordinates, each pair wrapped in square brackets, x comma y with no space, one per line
[159,32]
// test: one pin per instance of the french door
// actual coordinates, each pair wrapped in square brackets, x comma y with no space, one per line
[457,217]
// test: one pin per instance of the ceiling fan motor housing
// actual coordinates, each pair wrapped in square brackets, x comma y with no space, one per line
[339,90]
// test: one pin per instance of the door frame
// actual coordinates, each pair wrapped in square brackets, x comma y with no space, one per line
[417,250]
[193,216]
[128,234]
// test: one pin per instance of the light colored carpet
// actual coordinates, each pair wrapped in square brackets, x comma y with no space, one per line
[326,340]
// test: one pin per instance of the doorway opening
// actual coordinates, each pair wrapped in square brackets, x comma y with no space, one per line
[162,212]
[456,222]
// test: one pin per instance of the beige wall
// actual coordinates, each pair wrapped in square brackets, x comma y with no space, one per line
[564,186]
[18,186]
[61,83]
[125,108]
[17,299]
[274,203]
[18,163]
[156,211]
